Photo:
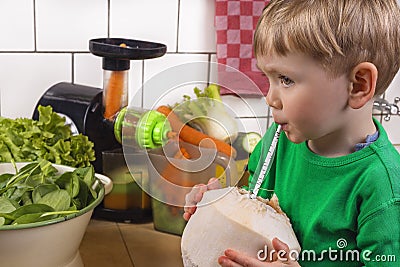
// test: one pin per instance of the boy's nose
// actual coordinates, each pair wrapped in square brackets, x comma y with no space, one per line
[273,99]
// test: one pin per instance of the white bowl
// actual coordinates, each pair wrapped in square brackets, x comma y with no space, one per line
[50,243]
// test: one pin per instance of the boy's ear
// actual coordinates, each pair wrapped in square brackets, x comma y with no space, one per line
[362,84]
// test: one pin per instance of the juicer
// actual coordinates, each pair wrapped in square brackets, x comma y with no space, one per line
[99,113]
[92,111]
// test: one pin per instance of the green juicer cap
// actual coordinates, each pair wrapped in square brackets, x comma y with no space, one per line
[151,129]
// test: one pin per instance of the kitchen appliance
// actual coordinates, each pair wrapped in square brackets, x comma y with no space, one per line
[85,107]
[96,112]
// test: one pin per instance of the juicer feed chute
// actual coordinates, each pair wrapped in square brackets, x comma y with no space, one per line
[116,54]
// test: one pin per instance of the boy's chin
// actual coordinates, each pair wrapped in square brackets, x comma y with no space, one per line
[295,138]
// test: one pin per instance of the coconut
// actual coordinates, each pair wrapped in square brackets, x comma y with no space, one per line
[228,218]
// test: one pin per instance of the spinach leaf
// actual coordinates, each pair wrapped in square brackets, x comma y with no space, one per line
[4,178]
[28,209]
[38,193]
[70,182]
[7,205]
[59,200]
[87,175]
[83,198]
[42,190]
[33,217]
[26,198]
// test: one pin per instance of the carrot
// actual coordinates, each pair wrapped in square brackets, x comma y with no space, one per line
[193,136]
[172,174]
[114,92]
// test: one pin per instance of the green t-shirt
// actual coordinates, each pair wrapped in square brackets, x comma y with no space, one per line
[346,207]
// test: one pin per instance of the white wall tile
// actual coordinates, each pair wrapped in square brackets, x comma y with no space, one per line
[135,81]
[394,89]
[16,30]
[393,125]
[392,128]
[28,77]
[213,70]
[246,107]
[150,20]
[88,70]
[135,94]
[270,121]
[196,26]
[68,25]
[258,125]
[169,77]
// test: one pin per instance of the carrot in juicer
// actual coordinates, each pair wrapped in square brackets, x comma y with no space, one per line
[114,92]
[192,136]
[171,173]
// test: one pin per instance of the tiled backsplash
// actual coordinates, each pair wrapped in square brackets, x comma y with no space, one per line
[43,42]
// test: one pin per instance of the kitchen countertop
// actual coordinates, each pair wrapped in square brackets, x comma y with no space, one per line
[111,244]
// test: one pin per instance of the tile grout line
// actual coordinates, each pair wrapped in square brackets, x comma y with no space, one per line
[34,27]
[108,17]
[125,245]
[177,27]
[142,86]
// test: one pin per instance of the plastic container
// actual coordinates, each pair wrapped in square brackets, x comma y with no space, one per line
[126,193]
[168,189]
[127,202]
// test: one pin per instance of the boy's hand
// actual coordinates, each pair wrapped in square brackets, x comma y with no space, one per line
[234,258]
[196,194]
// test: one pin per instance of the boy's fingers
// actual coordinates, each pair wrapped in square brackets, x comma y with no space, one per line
[214,183]
[235,258]
[189,209]
[282,249]
[226,262]
[196,195]
[186,216]
[279,244]
[190,198]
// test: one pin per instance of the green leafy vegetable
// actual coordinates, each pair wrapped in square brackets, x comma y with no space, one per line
[207,113]
[37,192]
[48,138]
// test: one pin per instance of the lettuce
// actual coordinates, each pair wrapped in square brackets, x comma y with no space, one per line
[48,138]
[208,114]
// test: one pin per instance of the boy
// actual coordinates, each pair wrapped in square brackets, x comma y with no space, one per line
[335,172]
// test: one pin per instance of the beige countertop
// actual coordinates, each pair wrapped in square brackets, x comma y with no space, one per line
[111,244]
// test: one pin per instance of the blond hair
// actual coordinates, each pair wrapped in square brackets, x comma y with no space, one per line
[338,34]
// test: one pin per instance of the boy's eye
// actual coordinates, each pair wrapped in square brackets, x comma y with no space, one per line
[286,81]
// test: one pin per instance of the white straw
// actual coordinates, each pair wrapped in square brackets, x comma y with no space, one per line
[267,163]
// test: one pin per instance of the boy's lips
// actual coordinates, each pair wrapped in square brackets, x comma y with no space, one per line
[284,125]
